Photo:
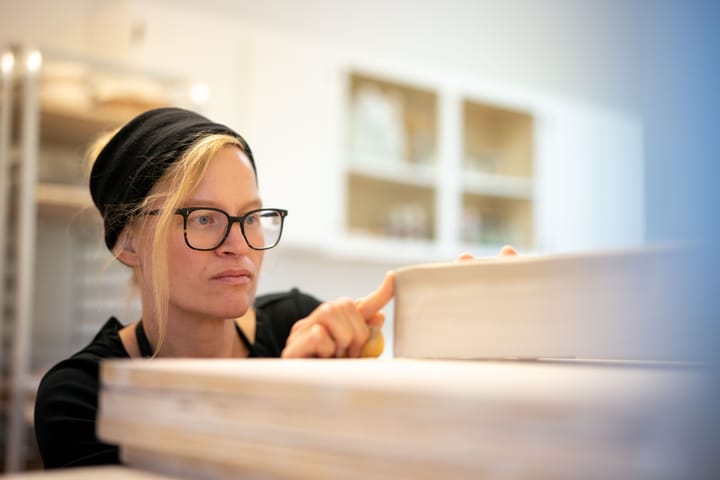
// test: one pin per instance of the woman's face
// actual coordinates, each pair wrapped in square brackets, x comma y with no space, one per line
[219,283]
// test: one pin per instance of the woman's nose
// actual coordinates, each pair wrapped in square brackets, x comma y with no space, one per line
[234,241]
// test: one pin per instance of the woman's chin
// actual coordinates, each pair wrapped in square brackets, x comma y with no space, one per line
[234,306]
[236,311]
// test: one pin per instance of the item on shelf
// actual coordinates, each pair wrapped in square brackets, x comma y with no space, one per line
[487,161]
[407,221]
[376,127]
[471,225]
[420,137]
[64,165]
[130,93]
[496,230]
[618,305]
[64,85]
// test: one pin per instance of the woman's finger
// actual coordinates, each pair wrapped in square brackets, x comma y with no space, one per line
[322,314]
[360,329]
[313,342]
[347,327]
[341,321]
[374,302]
[377,320]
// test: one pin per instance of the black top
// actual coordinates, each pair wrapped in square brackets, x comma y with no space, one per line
[67,398]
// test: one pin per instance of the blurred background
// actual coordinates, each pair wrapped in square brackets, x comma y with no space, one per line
[394,132]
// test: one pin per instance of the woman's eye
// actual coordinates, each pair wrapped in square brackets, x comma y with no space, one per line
[251,219]
[202,220]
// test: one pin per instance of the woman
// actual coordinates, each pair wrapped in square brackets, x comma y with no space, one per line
[180,204]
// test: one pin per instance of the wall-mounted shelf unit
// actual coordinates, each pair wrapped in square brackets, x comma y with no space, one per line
[497,173]
[401,179]
[391,180]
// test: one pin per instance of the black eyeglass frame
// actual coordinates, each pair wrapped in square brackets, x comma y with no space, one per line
[185,212]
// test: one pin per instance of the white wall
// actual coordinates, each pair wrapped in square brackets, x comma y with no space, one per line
[581,50]
[586,49]
[43,23]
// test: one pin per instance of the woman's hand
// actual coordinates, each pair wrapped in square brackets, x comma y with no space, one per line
[340,328]
[506,251]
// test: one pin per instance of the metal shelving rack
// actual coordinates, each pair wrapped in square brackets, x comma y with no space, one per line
[18,66]
[55,282]
[7,66]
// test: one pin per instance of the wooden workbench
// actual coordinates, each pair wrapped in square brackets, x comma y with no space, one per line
[407,419]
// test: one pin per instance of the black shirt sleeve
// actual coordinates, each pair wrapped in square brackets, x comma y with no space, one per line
[65,417]
[67,402]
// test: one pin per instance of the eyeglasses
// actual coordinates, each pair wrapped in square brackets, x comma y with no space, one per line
[207,228]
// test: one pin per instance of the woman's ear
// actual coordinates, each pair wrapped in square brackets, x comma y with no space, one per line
[125,250]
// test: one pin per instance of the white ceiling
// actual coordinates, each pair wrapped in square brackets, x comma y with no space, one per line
[587,48]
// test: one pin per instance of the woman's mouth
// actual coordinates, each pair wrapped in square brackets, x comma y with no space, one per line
[234,277]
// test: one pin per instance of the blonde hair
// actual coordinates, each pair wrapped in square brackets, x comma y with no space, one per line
[177,183]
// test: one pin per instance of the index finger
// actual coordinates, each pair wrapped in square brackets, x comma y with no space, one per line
[371,304]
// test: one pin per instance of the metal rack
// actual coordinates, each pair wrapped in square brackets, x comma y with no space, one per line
[58,283]
[24,236]
[7,65]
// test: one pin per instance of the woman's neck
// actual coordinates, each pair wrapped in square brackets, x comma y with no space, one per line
[192,337]
[198,338]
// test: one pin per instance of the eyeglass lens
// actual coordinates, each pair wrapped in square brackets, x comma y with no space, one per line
[206,229]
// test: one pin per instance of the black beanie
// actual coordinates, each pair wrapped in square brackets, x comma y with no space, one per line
[139,154]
